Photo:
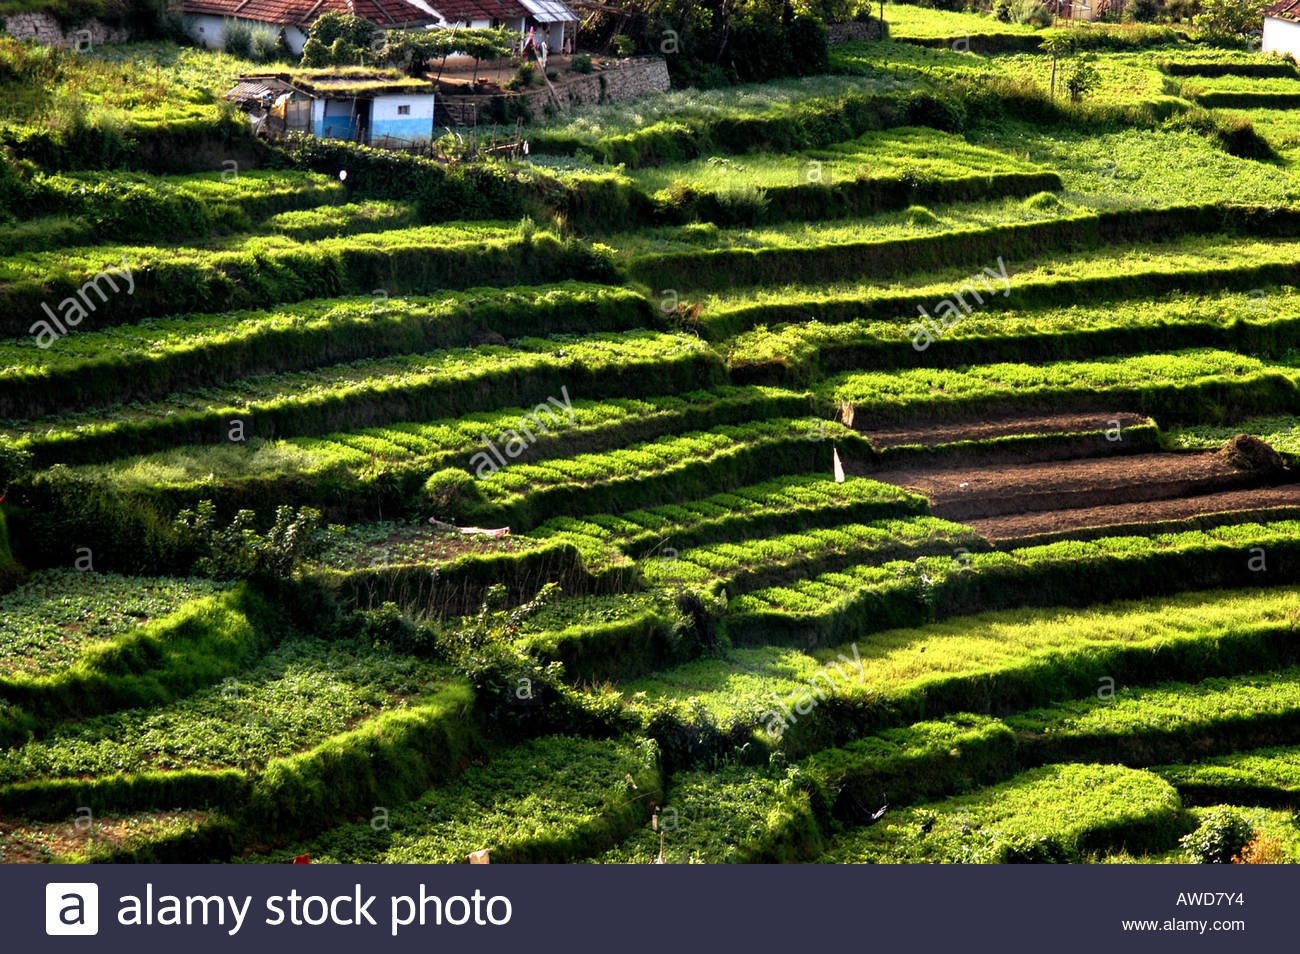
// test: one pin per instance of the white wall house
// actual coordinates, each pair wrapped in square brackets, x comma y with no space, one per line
[1282,28]
[206,19]
[209,30]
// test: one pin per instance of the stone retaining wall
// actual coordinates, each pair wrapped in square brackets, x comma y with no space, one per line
[627,79]
[852,31]
[46,30]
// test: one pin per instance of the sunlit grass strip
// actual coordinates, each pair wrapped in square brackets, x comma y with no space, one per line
[859,600]
[742,566]
[365,393]
[1057,813]
[713,270]
[678,467]
[1185,386]
[140,362]
[782,505]
[1264,322]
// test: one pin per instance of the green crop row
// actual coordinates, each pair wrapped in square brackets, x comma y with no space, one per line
[835,607]
[1258,777]
[621,648]
[296,696]
[1209,265]
[363,474]
[906,153]
[458,587]
[735,814]
[1131,725]
[138,207]
[363,393]
[352,218]
[1014,242]
[1280,433]
[386,760]
[741,567]
[204,641]
[82,289]
[785,127]
[54,615]
[678,467]
[1057,813]
[785,504]
[996,661]
[591,795]
[159,357]
[1267,321]
[1192,385]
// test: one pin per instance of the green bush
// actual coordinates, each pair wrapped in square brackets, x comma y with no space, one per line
[264,45]
[1222,834]
[451,491]
[581,63]
[237,40]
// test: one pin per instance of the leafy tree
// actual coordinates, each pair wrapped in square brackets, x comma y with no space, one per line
[1229,19]
[341,39]
[240,551]
[1083,77]
[1058,45]
[14,462]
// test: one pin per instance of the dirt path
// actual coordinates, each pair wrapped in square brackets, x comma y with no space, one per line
[950,431]
[1255,503]
[967,493]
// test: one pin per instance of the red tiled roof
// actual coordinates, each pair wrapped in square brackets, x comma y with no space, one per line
[466,10]
[390,13]
[1284,10]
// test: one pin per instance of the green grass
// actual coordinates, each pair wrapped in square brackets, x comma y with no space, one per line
[420,448]
[327,399]
[975,651]
[881,226]
[139,81]
[907,20]
[734,814]
[47,623]
[1058,813]
[1146,167]
[1261,776]
[1278,826]
[729,103]
[549,800]
[742,566]
[903,153]
[908,393]
[652,473]
[1264,321]
[784,503]
[1281,433]
[301,693]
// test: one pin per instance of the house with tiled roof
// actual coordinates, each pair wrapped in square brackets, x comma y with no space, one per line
[292,19]
[1282,28]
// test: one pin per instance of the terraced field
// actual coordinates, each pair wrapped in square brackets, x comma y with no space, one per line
[888,466]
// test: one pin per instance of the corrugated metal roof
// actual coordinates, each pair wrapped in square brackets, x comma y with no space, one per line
[549,11]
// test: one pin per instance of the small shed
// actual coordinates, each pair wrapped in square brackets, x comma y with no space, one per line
[1282,28]
[375,110]
[556,21]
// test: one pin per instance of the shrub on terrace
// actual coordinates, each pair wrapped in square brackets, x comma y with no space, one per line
[1222,835]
